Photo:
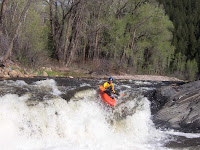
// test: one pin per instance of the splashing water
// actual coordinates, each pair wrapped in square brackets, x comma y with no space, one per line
[49,84]
[82,123]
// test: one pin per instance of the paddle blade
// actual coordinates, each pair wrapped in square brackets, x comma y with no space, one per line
[123,94]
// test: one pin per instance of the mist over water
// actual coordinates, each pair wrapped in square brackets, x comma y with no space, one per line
[36,116]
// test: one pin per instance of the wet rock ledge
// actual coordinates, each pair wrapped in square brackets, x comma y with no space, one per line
[177,107]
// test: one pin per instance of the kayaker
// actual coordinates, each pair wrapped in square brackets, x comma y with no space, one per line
[110,87]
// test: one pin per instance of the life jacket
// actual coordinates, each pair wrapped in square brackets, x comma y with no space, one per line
[107,85]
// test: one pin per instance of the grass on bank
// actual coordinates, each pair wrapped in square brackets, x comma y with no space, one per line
[63,74]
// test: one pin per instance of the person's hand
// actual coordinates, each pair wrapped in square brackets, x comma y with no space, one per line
[116,93]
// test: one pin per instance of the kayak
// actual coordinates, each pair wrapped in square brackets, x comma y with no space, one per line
[105,97]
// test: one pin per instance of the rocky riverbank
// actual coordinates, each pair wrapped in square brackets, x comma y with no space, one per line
[146,77]
[8,71]
[177,107]
[12,70]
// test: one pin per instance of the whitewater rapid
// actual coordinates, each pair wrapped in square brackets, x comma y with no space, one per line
[83,123]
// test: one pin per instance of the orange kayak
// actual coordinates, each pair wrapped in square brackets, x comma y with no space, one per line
[104,96]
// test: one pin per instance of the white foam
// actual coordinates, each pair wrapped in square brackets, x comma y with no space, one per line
[91,94]
[10,106]
[127,86]
[84,84]
[7,134]
[187,135]
[18,83]
[146,88]
[140,125]
[49,84]
[142,83]
[55,124]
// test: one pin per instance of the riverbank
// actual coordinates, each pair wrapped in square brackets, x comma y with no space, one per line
[12,70]
[146,77]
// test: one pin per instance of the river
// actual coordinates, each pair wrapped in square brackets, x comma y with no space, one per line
[68,114]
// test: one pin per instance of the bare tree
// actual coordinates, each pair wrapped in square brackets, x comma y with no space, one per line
[23,14]
[67,38]
[2,16]
[61,18]
[3,38]
[73,39]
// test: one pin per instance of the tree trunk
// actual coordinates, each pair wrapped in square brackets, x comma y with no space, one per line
[84,50]
[133,40]
[2,16]
[96,51]
[123,58]
[73,40]
[5,57]
[96,54]
[59,27]
[73,49]
[52,23]
[67,38]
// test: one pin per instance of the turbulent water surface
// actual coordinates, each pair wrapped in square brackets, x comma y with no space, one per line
[68,114]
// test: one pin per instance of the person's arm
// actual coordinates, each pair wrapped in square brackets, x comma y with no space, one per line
[114,90]
[105,85]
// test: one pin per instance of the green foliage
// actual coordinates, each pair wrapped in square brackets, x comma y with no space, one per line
[185,17]
[179,63]
[191,69]
[141,39]
[50,46]
[34,38]
[33,32]
[118,37]
[132,35]
[31,42]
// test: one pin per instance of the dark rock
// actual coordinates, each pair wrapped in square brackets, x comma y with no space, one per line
[159,97]
[178,107]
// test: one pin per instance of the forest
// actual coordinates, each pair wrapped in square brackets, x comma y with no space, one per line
[157,37]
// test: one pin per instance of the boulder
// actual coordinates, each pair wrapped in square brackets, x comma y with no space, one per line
[6,76]
[1,75]
[19,74]
[48,69]
[6,71]
[158,97]
[180,109]
[45,74]
[13,73]
[1,70]
[28,76]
